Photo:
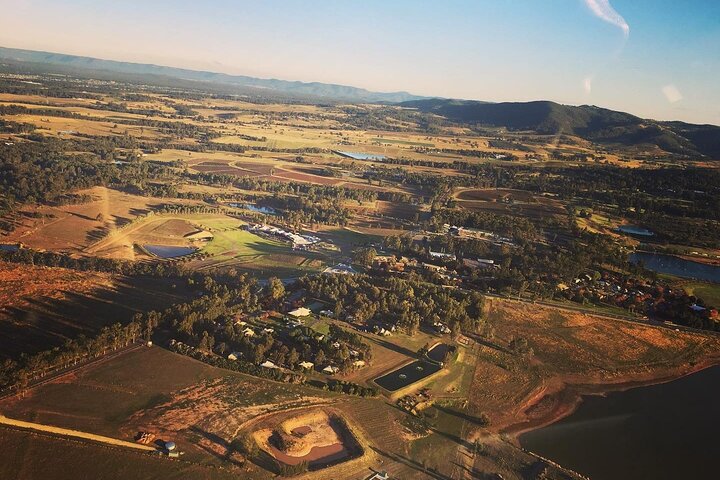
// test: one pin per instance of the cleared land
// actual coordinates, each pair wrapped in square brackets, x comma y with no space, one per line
[572,352]
[43,307]
[74,228]
[516,202]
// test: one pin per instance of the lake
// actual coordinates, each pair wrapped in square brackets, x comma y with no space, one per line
[667,431]
[677,266]
[164,251]
[404,376]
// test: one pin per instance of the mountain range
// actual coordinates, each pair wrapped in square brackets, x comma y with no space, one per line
[596,124]
[314,89]
[592,123]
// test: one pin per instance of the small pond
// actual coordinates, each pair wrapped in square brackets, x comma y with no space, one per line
[164,251]
[635,230]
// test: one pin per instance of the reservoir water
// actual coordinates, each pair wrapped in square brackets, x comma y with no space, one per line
[404,376]
[677,266]
[666,431]
[164,251]
[633,230]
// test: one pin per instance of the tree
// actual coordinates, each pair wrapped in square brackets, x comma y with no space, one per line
[364,256]
[320,357]
[275,289]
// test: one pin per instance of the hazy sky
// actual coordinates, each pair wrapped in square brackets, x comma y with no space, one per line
[654,58]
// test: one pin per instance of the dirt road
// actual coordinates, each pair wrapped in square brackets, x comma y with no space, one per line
[74,433]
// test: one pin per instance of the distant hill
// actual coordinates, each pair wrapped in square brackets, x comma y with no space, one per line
[315,89]
[589,122]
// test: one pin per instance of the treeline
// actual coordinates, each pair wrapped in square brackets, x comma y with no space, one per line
[17,375]
[310,209]
[95,264]
[515,227]
[40,173]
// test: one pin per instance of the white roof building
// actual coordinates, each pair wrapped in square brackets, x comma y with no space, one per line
[300,312]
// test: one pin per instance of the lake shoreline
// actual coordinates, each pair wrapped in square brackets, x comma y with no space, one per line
[566,396]
[690,258]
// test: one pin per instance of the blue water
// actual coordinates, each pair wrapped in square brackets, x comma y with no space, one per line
[362,156]
[633,230]
[662,432]
[164,251]
[254,208]
[677,266]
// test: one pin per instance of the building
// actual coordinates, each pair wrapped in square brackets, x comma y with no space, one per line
[307,365]
[269,364]
[300,312]
[330,370]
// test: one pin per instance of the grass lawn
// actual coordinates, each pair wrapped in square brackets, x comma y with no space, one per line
[709,292]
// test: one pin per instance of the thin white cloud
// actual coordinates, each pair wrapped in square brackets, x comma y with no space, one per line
[672,93]
[604,11]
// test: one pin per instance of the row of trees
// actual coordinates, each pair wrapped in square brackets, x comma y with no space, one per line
[17,375]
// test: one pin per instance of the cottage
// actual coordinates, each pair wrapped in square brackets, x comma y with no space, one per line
[359,363]
[307,365]
[249,332]
[330,370]
[269,364]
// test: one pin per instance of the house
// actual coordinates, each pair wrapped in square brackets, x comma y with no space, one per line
[307,365]
[268,330]
[330,370]
[234,356]
[384,332]
[249,332]
[341,269]
[300,312]
[359,363]
[269,364]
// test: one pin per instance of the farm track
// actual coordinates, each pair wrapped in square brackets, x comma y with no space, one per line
[79,366]
[65,432]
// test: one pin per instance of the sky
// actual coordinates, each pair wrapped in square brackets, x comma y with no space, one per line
[655,58]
